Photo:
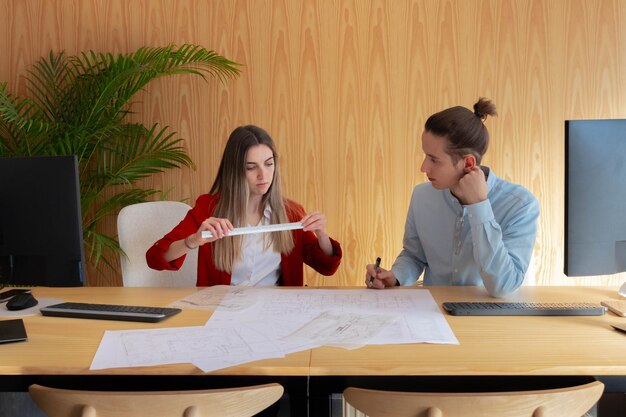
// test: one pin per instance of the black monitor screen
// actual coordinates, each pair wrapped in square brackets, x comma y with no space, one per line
[41,238]
[595,199]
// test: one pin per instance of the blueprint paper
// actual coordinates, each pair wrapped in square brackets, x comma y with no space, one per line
[251,324]
[280,312]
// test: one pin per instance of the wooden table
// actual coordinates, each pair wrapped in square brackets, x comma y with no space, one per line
[575,345]
[59,350]
[493,351]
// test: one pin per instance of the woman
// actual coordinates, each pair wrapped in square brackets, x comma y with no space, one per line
[465,226]
[246,192]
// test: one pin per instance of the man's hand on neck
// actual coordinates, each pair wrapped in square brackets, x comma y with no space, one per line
[472,187]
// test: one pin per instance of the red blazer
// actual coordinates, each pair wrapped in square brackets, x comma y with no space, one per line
[306,248]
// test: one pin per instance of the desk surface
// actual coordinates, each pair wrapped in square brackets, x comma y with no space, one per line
[63,346]
[583,345]
[488,345]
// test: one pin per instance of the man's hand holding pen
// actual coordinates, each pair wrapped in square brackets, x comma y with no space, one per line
[379,278]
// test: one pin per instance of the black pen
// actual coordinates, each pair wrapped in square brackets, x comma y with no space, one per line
[376,266]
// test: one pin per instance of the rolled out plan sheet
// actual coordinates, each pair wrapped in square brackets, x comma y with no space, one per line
[257,229]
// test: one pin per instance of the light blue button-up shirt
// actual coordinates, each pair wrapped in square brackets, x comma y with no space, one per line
[488,243]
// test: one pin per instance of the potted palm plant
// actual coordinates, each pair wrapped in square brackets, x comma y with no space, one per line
[79,105]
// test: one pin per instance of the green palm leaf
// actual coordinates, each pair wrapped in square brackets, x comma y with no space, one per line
[78,105]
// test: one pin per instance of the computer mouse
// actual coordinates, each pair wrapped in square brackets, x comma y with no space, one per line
[21,301]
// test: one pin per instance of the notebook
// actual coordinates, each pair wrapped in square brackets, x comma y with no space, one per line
[12,331]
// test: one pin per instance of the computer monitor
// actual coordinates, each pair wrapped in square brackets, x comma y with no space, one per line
[595,197]
[41,235]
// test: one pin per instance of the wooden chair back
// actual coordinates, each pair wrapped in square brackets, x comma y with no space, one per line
[228,402]
[572,401]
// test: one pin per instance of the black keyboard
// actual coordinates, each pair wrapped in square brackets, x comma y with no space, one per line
[523,309]
[109,312]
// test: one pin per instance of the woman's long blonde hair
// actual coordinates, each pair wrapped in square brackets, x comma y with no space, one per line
[231,186]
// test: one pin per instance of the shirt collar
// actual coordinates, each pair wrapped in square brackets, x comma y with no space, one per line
[267,213]
[491,179]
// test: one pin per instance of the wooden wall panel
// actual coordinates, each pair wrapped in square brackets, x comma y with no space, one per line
[345,86]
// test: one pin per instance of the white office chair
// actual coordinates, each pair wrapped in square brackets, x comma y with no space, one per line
[138,227]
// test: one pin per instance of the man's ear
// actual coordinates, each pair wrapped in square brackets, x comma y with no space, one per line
[469,162]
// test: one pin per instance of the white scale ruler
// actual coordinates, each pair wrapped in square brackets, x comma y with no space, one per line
[257,229]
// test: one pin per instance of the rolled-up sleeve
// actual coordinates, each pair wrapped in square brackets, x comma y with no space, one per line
[155,256]
[503,251]
[315,257]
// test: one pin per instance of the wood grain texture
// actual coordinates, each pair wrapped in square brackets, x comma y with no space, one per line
[345,86]
[517,345]
[489,346]
[574,400]
[57,346]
